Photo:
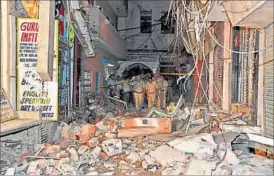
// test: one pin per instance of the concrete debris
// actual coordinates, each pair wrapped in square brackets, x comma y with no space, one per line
[133,157]
[96,152]
[240,128]
[144,144]
[228,156]
[112,147]
[197,144]
[200,167]
[261,139]
[83,149]
[223,169]
[93,173]
[167,156]
[10,171]
[73,154]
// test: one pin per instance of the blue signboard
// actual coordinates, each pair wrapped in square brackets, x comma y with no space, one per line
[105,61]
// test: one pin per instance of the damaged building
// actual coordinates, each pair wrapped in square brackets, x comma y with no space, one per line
[59,115]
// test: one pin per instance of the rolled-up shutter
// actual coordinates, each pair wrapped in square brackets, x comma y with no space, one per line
[269,82]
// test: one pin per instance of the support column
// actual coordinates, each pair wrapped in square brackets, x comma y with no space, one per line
[260,104]
[12,61]
[46,39]
[5,47]
[226,103]
[211,76]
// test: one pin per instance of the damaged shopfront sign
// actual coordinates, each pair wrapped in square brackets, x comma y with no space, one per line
[6,110]
[34,94]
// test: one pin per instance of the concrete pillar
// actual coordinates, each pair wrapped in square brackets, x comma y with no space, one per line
[211,76]
[226,103]
[5,47]
[260,104]
[12,61]
[46,39]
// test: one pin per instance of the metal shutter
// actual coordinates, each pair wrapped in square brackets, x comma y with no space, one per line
[269,82]
[218,64]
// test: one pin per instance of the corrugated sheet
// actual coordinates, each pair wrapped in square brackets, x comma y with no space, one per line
[218,64]
[269,83]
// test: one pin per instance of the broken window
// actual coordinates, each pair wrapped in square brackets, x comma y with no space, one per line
[167,24]
[146,21]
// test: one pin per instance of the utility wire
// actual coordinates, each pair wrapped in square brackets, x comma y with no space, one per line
[147,37]
[156,24]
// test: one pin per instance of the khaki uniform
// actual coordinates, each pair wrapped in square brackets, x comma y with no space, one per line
[161,101]
[138,93]
[151,89]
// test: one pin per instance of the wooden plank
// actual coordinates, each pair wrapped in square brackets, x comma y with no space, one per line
[46,40]
[5,45]
[226,103]
[211,76]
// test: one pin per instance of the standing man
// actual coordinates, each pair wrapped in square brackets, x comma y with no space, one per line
[126,91]
[162,93]
[138,92]
[170,89]
[119,86]
[151,89]
[111,86]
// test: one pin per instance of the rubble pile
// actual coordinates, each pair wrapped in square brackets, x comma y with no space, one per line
[138,145]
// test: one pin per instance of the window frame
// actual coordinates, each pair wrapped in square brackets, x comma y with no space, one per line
[146,21]
[165,29]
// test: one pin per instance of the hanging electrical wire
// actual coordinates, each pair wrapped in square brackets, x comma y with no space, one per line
[149,36]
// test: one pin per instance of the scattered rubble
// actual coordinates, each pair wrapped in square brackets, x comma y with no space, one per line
[146,144]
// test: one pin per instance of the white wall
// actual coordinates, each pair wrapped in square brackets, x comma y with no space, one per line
[161,41]
[107,10]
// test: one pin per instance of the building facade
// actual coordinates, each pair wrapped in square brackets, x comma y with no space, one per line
[149,33]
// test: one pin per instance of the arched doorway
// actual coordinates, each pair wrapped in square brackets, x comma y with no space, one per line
[135,70]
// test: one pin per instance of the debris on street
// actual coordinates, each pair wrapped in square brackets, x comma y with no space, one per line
[147,144]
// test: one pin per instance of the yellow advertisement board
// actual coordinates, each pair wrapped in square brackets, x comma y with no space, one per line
[34,94]
[31,8]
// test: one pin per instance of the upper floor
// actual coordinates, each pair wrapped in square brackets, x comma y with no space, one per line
[148,26]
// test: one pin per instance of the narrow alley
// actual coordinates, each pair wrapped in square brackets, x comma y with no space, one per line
[133,87]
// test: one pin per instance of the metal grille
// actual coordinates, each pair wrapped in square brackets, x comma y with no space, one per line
[44,132]
[246,67]
[218,64]
[269,83]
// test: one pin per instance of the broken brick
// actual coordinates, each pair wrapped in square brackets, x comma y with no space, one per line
[103,155]
[86,132]
[50,149]
[141,172]
[64,132]
[93,142]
